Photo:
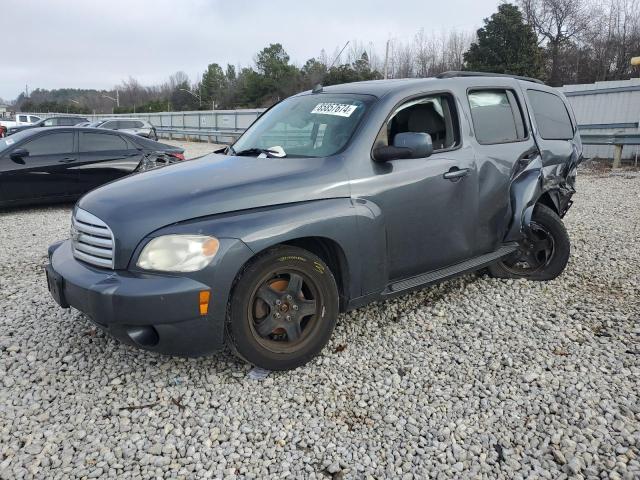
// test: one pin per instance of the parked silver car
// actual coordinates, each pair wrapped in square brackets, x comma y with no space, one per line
[135,126]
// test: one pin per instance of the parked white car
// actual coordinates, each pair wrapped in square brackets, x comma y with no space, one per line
[19,120]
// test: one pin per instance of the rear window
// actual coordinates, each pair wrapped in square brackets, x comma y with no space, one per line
[497,117]
[101,142]
[552,117]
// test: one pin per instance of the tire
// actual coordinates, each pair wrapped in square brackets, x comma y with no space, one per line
[306,315]
[545,222]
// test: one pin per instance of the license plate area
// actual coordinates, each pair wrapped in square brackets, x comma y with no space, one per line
[55,284]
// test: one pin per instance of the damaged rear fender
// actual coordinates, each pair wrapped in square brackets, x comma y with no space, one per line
[525,190]
[534,185]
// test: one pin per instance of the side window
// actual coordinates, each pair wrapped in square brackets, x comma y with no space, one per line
[551,115]
[50,122]
[138,125]
[112,125]
[22,118]
[101,142]
[435,115]
[35,119]
[53,144]
[497,117]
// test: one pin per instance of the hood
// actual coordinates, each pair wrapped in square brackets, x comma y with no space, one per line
[139,204]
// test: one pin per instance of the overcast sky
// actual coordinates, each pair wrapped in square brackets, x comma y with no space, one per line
[91,44]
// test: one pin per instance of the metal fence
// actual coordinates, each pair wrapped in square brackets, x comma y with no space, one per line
[608,115]
[218,126]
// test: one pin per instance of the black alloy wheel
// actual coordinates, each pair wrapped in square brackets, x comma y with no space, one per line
[543,254]
[283,308]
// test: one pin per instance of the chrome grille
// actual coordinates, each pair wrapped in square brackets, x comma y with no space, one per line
[92,239]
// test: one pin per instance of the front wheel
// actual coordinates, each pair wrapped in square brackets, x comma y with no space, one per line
[283,309]
[543,255]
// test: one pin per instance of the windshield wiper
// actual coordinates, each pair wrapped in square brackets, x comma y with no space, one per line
[253,151]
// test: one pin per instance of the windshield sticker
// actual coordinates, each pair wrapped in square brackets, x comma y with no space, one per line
[9,141]
[339,109]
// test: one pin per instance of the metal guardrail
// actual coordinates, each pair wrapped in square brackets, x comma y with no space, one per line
[618,140]
[189,133]
[219,126]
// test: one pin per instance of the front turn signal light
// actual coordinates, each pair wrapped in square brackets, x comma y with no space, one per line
[205,295]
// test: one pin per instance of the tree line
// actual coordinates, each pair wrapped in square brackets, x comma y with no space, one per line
[559,41]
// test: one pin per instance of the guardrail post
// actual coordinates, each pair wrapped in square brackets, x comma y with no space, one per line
[617,156]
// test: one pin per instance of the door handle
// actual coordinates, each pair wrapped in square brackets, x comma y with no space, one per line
[67,160]
[455,173]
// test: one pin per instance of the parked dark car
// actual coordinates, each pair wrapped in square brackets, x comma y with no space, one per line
[49,122]
[62,163]
[135,126]
[332,199]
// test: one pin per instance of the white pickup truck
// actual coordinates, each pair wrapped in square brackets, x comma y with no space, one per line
[20,119]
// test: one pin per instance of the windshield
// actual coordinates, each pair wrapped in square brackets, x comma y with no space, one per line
[316,125]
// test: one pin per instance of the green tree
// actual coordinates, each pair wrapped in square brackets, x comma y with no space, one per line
[181,100]
[276,78]
[214,85]
[506,44]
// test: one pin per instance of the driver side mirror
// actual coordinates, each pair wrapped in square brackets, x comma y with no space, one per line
[19,154]
[405,145]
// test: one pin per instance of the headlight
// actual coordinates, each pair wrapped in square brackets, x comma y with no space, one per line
[178,253]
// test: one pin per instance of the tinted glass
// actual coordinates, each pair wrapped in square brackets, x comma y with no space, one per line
[496,116]
[35,119]
[112,125]
[52,144]
[551,116]
[101,142]
[22,118]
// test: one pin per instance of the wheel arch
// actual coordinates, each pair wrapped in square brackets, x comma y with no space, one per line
[329,251]
[333,255]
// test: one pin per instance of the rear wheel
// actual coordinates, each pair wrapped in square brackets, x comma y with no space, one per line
[283,309]
[543,255]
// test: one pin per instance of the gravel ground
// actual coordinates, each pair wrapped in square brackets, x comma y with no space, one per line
[476,377]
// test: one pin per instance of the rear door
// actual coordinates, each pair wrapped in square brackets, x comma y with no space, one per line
[503,145]
[46,172]
[105,156]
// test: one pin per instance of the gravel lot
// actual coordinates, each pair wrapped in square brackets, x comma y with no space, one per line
[476,377]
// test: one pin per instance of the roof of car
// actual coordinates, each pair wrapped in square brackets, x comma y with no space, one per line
[122,118]
[380,88]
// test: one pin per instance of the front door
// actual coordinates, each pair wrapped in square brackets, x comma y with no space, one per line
[45,173]
[430,214]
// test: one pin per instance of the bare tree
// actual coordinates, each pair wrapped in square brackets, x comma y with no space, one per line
[557,22]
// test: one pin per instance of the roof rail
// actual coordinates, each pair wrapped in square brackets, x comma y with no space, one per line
[455,73]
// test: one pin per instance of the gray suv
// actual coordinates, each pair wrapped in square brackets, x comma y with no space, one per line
[134,126]
[332,199]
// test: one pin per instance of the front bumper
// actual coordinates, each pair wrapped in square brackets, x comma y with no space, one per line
[155,312]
